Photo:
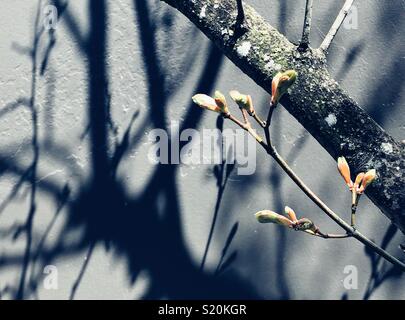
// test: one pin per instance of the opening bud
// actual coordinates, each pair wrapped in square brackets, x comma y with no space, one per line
[221,102]
[206,102]
[369,177]
[291,214]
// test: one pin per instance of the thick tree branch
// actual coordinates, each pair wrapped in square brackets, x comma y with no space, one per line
[307,25]
[336,25]
[317,101]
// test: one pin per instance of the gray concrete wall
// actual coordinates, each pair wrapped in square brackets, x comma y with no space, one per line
[78,191]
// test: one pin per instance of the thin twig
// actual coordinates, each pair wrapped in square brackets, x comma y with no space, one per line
[82,270]
[268,123]
[271,150]
[307,26]
[336,236]
[355,202]
[245,116]
[336,25]
[247,127]
[330,235]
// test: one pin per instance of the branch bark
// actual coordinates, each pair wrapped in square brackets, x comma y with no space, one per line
[316,101]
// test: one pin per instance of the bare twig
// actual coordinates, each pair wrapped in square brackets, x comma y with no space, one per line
[351,232]
[245,116]
[355,201]
[307,26]
[331,235]
[336,25]
[258,119]
[268,122]
[247,127]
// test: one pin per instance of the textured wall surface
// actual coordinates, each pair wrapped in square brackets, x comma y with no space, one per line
[78,191]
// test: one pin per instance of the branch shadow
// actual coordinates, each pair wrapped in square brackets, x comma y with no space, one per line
[27,227]
[222,173]
[384,98]
[222,263]
[351,58]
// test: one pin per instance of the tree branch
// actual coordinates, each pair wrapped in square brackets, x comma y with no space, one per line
[317,101]
[336,25]
[334,236]
[307,26]
[350,230]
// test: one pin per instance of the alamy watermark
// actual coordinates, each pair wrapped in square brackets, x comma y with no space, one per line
[50,17]
[207,146]
[51,278]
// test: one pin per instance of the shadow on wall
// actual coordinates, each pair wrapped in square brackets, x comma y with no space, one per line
[383,99]
[381,270]
[148,234]
[30,174]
